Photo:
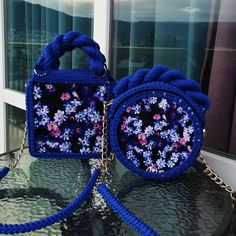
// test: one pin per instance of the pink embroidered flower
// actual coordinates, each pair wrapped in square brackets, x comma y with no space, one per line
[142,138]
[123,126]
[65,96]
[157,117]
[52,126]
[182,141]
[56,132]
[96,126]
[128,109]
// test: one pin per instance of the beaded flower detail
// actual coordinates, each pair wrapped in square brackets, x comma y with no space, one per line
[68,117]
[156,134]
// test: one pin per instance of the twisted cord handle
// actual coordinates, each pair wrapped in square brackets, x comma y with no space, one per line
[49,59]
[124,213]
[56,217]
[161,73]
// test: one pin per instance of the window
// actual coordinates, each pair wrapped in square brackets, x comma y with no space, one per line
[193,36]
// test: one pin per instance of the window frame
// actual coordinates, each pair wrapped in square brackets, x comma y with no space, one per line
[103,12]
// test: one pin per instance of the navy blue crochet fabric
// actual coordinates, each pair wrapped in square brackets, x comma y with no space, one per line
[67,117]
[156,134]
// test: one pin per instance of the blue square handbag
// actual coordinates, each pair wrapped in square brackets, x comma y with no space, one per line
[64,107]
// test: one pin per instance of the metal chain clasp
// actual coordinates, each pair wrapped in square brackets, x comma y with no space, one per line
[106,157]
[20,154]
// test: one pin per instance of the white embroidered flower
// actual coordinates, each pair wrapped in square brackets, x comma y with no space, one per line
[163,104]
[42,110]
[136,108]
[101,90]
[138,123]
[69,109]
[170,164]
[161,163]
[149,131]
[95,117]
[152,100]
[37,92]
[174,137]
[59,117]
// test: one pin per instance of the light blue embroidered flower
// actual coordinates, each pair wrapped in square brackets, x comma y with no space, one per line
[170,164]
[148,161]
[130,154]
[89,133]
[65,147]
[42,149]
[95,117]
[42,110]
[85,150]
[60,117]
[136,161]
[37,92]
[80,116]
[44,120]
[147,154]
[75,103]
[101,91]
[70,109]
[83,141]
[98,141]
[66,134]
[138,123]
[52,144]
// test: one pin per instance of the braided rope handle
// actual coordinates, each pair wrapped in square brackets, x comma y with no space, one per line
[49,59]
[161,73]
[51,219]
[124,213]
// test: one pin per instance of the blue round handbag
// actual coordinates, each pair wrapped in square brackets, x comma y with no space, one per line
[156,122]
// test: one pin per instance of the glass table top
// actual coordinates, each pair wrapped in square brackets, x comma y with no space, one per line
[189,204]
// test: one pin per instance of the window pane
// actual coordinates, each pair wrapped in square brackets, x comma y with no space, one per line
[15,118]
[196,37]
[33,23]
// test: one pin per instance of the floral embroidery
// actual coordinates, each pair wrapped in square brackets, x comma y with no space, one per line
[156,134]
[68,117]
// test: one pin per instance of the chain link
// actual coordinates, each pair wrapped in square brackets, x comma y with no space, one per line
[219,181]
[106,158]
[20,154]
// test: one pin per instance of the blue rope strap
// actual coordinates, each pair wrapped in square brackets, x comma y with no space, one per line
[161,73]
[3,172]
[49,60]
[124,213]
[56,217]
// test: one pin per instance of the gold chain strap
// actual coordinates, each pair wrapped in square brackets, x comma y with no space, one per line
[219,181]
[20,154]
[106,158]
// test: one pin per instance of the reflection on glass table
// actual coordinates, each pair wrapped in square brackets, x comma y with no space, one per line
[190,203]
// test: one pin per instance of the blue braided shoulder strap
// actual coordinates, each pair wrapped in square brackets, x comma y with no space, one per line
[137,224]
[56,217]
[49,60]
